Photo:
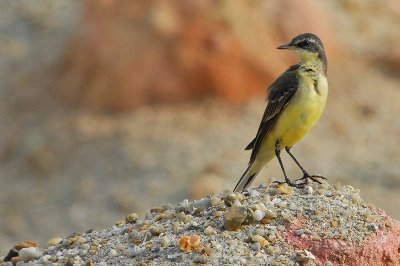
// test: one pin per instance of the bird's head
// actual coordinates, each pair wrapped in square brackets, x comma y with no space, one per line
[307,46]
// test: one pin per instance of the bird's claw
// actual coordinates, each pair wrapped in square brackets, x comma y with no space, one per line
[314,178]
[290,183]
[304,179]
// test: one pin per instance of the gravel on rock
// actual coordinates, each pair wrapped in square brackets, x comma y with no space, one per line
[202,231]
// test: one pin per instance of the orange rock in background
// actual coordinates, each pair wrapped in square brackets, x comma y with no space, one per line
[129,53]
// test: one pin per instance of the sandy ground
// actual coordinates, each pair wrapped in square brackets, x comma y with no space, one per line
[65,170]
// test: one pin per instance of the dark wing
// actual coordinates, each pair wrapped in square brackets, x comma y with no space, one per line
[279,95]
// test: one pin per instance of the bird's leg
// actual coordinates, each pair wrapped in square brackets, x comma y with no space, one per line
[287,180]
[306,175]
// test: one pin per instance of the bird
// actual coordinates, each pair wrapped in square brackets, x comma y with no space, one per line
[296,101]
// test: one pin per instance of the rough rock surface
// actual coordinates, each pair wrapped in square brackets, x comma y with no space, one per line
[317,225]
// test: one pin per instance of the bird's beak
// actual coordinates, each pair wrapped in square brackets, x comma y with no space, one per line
[285,46]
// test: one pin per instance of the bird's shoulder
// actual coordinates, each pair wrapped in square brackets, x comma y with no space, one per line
[284,84]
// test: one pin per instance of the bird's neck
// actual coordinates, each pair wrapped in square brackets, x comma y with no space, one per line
[314,61]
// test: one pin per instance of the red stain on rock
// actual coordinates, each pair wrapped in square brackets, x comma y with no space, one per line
[381,248]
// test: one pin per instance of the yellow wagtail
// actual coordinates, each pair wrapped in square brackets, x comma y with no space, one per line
[296,101]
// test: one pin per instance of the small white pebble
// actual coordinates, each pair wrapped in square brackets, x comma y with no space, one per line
[45,258]
[210,231]
[113,252]
[83,252]
[258,215]
[164,241]
[27,254]
[254,194]
[310,190]
[184,203]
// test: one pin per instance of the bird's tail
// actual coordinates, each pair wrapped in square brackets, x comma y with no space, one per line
[248,176]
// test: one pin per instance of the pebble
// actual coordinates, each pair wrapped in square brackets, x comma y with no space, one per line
[254,194]
[270,214]
[132,252]
[131,218]
[299,232]
[234,217]
[165,241]
[258,215]
[183,217]
[156,230]
[260,239]
[259,206]
[333,223]
[260,231]
[210,231]
[184,203]
[86,246]
[45,258]
[215,201]
[255,246]
[27,254]
[54,241]
[71,253]
[202,204]
[232,200]
[113,252]
[283,189]
[249,217]
[201,259]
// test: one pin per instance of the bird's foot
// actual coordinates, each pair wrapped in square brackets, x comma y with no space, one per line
[314,178]
[290,183]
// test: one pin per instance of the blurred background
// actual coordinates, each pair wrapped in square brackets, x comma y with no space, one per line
[111,107]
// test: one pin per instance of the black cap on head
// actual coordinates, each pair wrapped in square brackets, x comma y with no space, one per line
[307,41]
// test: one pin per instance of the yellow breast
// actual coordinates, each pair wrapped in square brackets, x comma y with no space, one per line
[303,111]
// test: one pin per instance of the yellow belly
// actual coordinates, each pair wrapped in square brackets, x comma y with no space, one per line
[298,118]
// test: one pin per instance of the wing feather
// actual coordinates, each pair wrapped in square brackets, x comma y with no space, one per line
[279,95]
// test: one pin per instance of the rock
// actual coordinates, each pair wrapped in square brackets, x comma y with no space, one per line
[234,217]
[210,231]
[201,259]
[215,201]
[54,241]
[232,199]
[131,218]
[156,230]
[165,241]
[261,240]
[189,243]
[27,254]
[258,215]
[113,253]
[25,244]
[313,231]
